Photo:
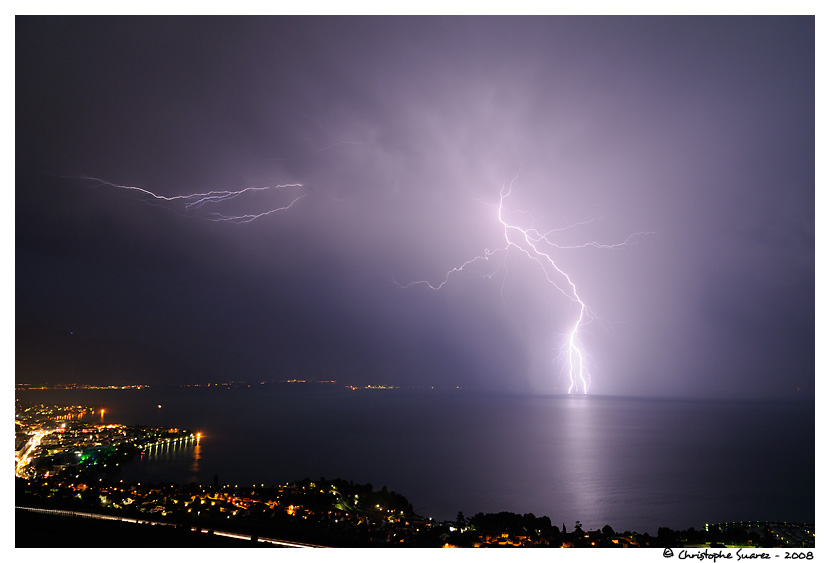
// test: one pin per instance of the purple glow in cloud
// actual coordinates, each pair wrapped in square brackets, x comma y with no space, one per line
[700,129]
[538,247]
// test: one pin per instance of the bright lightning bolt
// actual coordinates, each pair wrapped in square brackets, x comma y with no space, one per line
[538,247]
[198,204]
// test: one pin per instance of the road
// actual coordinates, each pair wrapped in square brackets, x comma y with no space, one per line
[23,461]
[234,535]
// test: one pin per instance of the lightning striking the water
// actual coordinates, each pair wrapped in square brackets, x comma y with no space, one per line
[538,246]
[203,205]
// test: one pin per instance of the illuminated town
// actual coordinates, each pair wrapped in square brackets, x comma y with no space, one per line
[50,440]
[67,460]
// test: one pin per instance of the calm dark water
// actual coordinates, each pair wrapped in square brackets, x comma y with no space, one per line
[635,464]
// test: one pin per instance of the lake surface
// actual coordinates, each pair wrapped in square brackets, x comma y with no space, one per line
[635,464]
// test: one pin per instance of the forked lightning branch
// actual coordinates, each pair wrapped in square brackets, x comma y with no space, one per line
[539,247]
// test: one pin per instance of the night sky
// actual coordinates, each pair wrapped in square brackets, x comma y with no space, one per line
[402,131]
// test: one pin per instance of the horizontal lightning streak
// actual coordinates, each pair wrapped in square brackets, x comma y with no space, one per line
[195,201]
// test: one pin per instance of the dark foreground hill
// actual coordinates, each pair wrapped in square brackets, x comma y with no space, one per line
[37,530]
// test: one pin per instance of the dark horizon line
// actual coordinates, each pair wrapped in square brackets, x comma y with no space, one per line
[796,396]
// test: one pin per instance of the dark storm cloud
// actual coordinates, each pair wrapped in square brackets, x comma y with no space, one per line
[402,131]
